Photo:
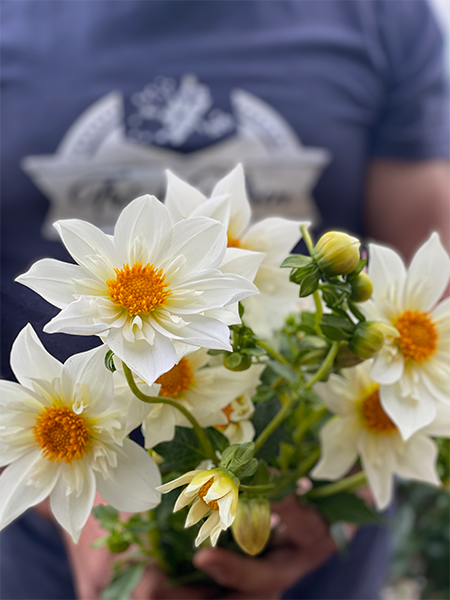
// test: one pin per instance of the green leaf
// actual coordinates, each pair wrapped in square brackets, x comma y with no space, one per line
[107,515]
[346,507]
[183,453]
[335,334]
[124,582]
[237,455]
[309,284]
[296,261]
[284,371]
[264,413]
[247,470]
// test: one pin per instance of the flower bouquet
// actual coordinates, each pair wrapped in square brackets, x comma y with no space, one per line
[250,382]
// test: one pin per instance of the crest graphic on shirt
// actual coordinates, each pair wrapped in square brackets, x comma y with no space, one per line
[119,148]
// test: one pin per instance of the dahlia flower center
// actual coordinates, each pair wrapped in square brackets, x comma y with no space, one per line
[138,289]
[177,380]
[418,335]
[212,504]
[61,434]
[374,416]
[233,242]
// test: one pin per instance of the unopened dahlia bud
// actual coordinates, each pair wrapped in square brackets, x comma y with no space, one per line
[368,339]
[361,288]
[345,358]
[337,253]
[251,527]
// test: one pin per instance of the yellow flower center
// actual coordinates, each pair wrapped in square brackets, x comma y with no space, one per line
[374,416]
[139,289]
[227,412]
[233,242]
[61,434]
[177,380]
[417,335]
[213,504]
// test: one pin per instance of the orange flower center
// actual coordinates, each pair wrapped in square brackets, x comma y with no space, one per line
[417,335]
[227,412]
[61,434]
[177,380]
[233,242]
[374,416]
[213,504]
[139,289]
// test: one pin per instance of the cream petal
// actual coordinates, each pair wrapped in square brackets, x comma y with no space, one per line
[418,460]
[131,486]
[233,185]
[240,433]
[72,509]
[30,360]
[171,485]
[181,198]
[380,481]
[338,449]
[211,523]
[53,280]
[197,511]
[428,275]
[275,237]
[149,362]
[225,504]
[440,427]
[387,367]
[18,493]
[408,414]
[441,315]
[337,395]
[214,535]
[89,246]
[143,231]
[77,319]
[388,275]
[202,242]
[436,387]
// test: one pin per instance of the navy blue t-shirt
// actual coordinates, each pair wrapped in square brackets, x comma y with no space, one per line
[95,94]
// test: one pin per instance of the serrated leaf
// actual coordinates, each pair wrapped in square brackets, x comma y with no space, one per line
[124,582]
[184,452]
[247,470]
[309,284]
[296,261]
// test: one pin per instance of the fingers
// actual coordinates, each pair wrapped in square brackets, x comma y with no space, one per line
[304,526]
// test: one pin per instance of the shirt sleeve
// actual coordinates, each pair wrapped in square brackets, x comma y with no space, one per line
[414,122]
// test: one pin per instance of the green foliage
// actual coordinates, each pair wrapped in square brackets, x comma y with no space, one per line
[109,361]
[184,452]
[345,507]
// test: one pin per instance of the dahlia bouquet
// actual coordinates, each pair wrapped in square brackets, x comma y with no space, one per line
[249,382]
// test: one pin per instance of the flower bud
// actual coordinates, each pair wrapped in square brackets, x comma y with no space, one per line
[337,253]
[251,527]
[361,288]
[368,339]
[116,544]
[345,358]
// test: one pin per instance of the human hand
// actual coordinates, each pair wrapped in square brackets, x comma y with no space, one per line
[300,543]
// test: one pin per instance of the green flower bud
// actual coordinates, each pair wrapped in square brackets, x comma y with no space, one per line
[251,527]
[336,253]
[368,339]
[345,358]
[361,288]
[116,544]
[237,362]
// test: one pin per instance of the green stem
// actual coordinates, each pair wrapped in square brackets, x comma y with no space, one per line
[202,437]
[348,484]
[307,239]
[319,312]
[272,352]
[305,466]
[288,402]
[327,363]
[155,543]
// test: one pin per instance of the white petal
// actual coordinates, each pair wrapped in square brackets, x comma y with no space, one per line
[30,360]
[337,394]
[388,274]
[53,280]
[242,262]
[387,367]
[77,319]
[89,246]
[72,509]
[428,275]
[217,208]
[201,241]
[275,237]
[201,331]
[225,504]
[161,428]
[338,449]
[131,485]
[88,369]
[407,413]
[208,527]
[171,485]
[228,314]
[143,231]
[380,480]
[181,198]
[418,460]
[149,362]
[18,493]
[440,427]
[197,511]
[233,185]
